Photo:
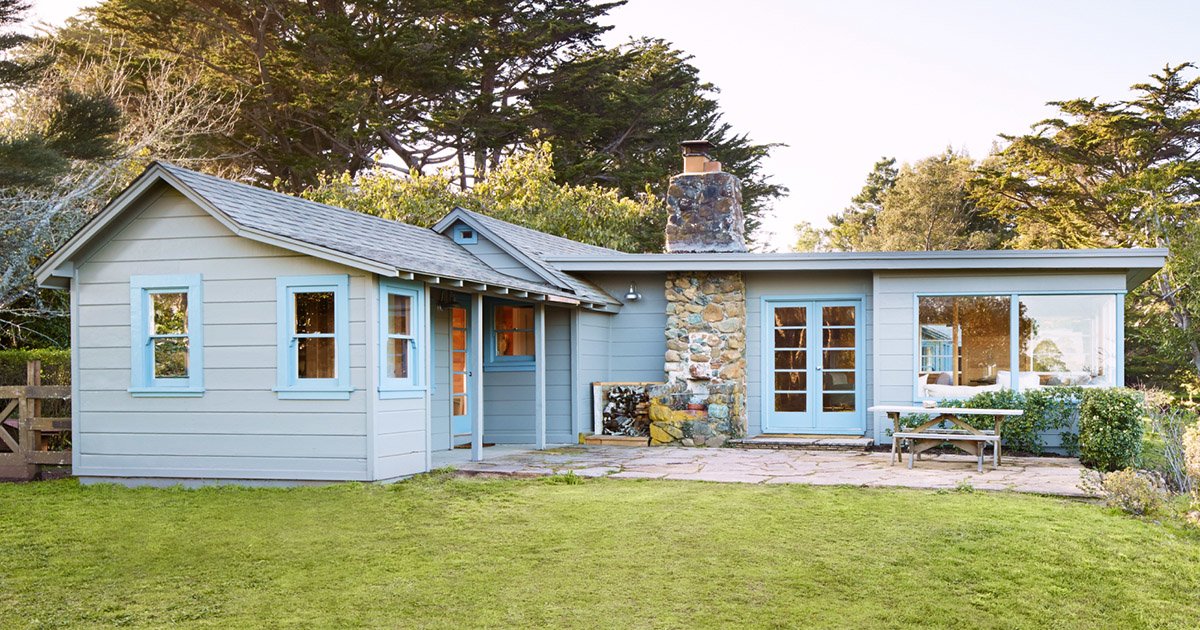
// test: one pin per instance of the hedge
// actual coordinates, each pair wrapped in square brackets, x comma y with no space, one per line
[56,366]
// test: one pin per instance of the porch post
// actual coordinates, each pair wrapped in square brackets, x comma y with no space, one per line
[477,370]
[539,382]
[426,372]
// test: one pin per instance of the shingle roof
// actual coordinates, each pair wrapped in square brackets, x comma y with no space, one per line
[540,245]
[382,241]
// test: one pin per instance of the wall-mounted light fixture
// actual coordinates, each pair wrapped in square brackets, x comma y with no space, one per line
[632,295]
[446,301]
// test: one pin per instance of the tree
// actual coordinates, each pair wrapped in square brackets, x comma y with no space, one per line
[76,125]
[434,85]
[521,190]
[619,115]
[1118,174]
[852,226]
[808,238]
[923,207]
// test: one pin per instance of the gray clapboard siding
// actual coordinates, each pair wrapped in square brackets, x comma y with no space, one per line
[238,428]
[637,344]
[592,353]
[895,330]
[499,260]
[799,286]
[509,396]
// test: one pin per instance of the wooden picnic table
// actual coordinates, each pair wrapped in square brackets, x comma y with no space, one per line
[929,434]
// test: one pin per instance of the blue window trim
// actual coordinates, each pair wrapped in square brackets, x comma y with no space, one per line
[1013,326]
[459,236]
[414,385]
[287,385]
[493,363]
[142,381]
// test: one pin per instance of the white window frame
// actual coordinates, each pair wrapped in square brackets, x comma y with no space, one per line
[288,384]
[414,385]
[142,380]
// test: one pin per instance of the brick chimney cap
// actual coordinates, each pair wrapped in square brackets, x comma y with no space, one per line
[696,147]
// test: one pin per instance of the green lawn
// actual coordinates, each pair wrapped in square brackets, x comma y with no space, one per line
[454,553]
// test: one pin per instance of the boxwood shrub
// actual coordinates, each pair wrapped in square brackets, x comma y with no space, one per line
[1110,428]
[1048,409]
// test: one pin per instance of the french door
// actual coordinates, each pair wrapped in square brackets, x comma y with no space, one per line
[813,378]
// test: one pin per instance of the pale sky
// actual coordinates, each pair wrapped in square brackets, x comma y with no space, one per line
[843,83]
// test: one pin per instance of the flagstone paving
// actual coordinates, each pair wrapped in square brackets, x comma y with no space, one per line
[1040,475]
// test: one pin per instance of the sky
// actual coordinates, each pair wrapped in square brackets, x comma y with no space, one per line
[843,83]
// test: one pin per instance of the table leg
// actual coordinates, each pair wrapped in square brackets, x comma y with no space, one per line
[912,454]
[981,449]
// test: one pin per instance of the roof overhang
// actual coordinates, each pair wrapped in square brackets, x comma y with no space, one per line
[458,214]
[1137,264]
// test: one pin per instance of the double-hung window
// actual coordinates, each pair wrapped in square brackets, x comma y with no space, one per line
[313,337]
[166,316]
[401,330]
[510,339]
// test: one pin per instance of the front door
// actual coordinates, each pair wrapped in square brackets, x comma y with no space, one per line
[461,403]
[813,377]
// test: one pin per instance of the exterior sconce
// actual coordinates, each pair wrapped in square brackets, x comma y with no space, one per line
[632,295]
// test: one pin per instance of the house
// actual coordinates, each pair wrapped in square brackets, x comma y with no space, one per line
[225,332]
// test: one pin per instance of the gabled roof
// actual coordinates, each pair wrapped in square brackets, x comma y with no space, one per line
[378,245]
[531,247]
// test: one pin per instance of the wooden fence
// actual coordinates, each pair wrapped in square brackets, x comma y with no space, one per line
[29,440]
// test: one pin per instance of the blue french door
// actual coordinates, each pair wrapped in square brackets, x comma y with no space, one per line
[813,376]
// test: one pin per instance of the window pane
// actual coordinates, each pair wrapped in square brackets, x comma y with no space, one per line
[838,402]
[399,314]
[1068,340]
[397,357]
[838,381]
[513,317]
[460,405]
[837,359]
[839,337]
[964,345]
[790,316]
[169,313]
[791,402]
[460,383]
[791,381]
[791,360]
[458,340]
[458,317]
[314,313]
[514,344]
[171,357]
[315,357]
[458,361]
[838,315]
[790,337]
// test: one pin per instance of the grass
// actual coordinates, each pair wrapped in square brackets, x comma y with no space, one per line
[455,553]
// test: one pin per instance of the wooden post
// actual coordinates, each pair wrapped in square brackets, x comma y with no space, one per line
[33,378]
[539,384]
[477,369]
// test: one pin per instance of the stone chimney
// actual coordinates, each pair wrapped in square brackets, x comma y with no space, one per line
[703,400]
[705,205]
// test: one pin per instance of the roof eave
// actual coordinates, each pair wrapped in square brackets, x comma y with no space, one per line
[461,214]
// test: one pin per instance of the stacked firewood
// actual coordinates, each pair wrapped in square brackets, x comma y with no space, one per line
[627,411]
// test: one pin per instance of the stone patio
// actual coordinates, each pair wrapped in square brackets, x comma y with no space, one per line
[1040,475]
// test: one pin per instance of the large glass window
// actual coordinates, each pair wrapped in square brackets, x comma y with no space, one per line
[401,317]
[1068,340]
[964,344]
[314,344]
[167,327]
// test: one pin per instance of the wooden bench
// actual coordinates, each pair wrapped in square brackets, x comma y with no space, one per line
[930,434]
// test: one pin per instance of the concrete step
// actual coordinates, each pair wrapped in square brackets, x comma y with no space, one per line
[806,442]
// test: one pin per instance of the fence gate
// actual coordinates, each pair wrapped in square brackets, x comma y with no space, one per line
[28,439]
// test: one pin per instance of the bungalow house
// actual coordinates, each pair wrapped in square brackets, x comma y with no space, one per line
[225,332]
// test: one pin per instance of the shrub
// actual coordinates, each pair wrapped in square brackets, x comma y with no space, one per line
[56,366]
[1191,460]
[1163,442]
[1049,409]
[1110,428]
[1132,491]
